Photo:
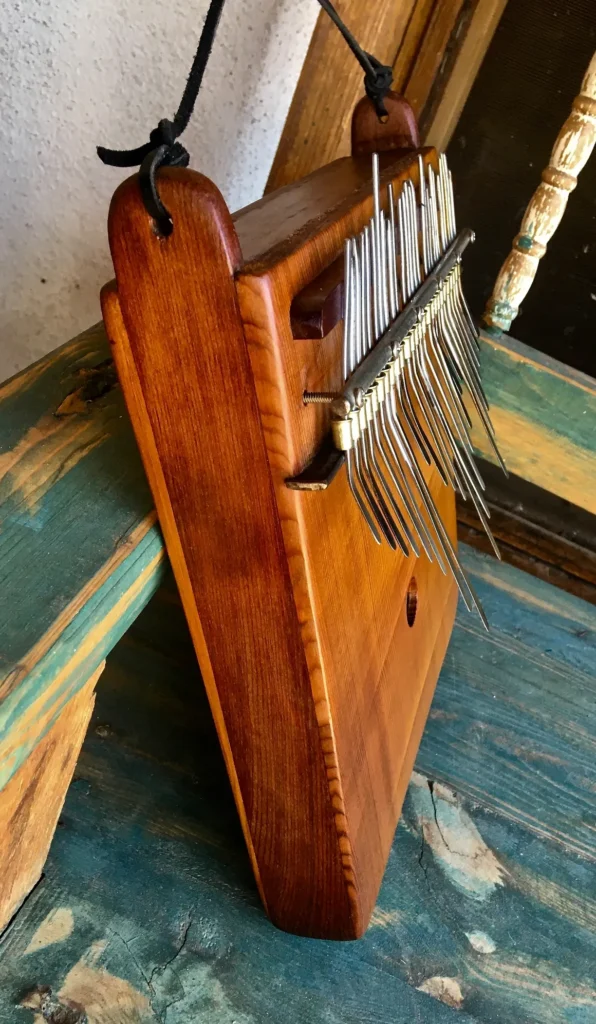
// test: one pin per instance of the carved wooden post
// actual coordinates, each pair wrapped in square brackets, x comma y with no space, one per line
[546,207]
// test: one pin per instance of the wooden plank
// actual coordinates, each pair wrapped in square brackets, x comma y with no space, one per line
[80,551]
[441,26]
[148,912]
[544,415]
[31,802]
[533,679]
[535,530]
[440,118]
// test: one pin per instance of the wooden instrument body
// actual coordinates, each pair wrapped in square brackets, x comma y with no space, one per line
[319,685]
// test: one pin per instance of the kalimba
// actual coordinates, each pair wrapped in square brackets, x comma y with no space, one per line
[300,378]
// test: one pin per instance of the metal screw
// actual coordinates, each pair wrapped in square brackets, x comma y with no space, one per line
[319,397]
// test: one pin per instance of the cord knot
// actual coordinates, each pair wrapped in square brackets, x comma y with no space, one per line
[378,83]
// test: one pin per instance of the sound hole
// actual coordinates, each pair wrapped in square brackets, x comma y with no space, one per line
[412,601]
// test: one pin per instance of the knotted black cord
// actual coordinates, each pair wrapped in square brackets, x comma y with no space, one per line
[163,149]
[378,77]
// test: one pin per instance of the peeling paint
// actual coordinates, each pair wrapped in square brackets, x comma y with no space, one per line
[384,918]
[456,843]
[481,942]
[446,990]
[56,927]
[104,998]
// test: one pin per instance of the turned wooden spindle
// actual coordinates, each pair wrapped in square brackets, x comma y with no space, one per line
[545,210]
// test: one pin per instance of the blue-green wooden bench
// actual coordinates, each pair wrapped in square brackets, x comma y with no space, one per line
[146,911]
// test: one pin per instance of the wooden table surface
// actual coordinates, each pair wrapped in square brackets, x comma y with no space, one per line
[147,911]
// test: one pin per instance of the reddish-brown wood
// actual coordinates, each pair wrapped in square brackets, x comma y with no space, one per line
[318,683]
[396,133]
[319,306]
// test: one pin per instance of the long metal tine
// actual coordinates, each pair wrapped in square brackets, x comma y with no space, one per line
[464,586]
[406,494]
[373,414]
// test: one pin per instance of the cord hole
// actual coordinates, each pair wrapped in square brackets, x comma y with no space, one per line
[412,601]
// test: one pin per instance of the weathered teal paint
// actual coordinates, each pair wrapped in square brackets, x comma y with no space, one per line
[151,862]
[542,390]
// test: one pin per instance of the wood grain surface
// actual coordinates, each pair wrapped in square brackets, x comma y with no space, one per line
[148,910]
[319,725]
[73,499]
[318,125]
[545,419]
[31,801]
[536,531]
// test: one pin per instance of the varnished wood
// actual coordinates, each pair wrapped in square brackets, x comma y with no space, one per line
[321,687]
[545,210]
[319,306]
[31,802]
[396,132]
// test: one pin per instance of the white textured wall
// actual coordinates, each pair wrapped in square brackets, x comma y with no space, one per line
[77,73]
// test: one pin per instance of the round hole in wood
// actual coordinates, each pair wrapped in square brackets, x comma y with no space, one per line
[412,601]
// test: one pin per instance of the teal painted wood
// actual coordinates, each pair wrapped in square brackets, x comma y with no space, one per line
[533,679]
[541,389]
[72,490]
[80,553]
[155,914]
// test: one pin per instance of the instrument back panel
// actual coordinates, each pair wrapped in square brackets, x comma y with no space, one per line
[318,683]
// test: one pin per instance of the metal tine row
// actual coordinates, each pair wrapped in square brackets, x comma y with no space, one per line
[415,410]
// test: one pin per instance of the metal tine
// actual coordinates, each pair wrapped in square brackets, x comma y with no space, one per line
[349,336]
[392,253]
[423,217]
[386,305]
[414,238]
[375,259]
[421,429]
[372,410]
[464,586]
[375,477]
[376,414]
[459,408]
[366,466]
[463,459]
[368,286]
[446,211]
[410,503]
[384,274]
[352,455]
[440,454]
[454,313]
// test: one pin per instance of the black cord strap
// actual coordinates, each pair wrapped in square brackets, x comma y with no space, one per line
[378,77]
[163,149]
